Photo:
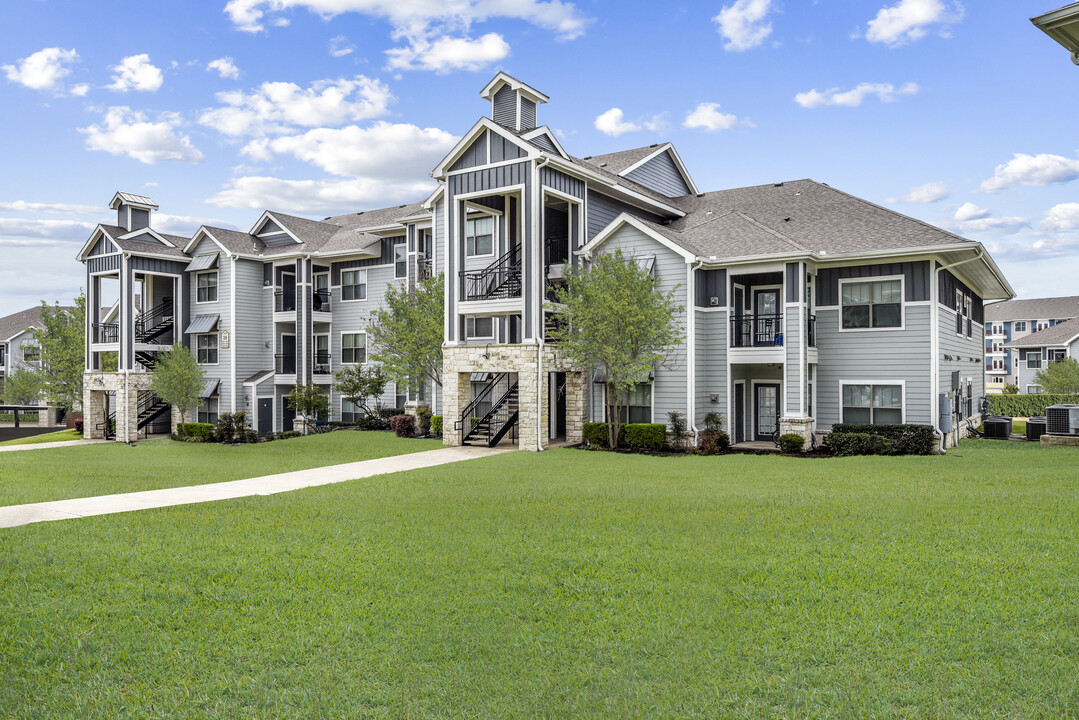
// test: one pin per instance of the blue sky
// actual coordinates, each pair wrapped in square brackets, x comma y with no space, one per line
[960,115]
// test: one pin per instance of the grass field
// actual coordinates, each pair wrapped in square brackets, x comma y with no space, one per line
[58,436]
[569,584]
[56,474]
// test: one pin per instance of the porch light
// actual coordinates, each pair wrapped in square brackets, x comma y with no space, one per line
[1063,26]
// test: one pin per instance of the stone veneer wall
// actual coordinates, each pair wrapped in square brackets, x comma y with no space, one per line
[96,385]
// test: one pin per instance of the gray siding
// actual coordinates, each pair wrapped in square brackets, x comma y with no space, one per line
[915,283]
[661,174]
[223,369]
[474,155]
[252,326]
[602,210]
[711,284]
[155,265]
[504,107]
[562,182]
[139,218]
[103,246]
[502,148]
[103,264]
[967,355]
[528,114]
[794,374]
[544,143]
[711,363]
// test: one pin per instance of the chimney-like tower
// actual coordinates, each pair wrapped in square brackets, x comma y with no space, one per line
[132,211]
[513,104]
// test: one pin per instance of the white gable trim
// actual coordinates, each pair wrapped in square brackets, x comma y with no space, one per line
[267,215]
[544,130]
[146,231]
[627,219]
[503,78]
[197,237]
[665,148]
[98,233]
[469,137]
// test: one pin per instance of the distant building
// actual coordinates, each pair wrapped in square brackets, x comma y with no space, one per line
[1021,336]
[18,349]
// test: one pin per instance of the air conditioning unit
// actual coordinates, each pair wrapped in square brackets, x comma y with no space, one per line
[1062,419]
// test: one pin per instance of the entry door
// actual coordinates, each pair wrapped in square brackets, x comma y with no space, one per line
[288,292]
[766,407]
[739,413]
[288,415]
[766,310]
[265,415]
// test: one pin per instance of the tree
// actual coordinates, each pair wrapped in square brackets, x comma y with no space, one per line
[1010,390]
[22,387]
[1060,377]
[62,343]
[407,332]
[178,380]
[615,319]
[357,384]
[308,400]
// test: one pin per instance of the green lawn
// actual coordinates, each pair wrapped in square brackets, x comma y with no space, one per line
[102,469]
[569,584]
[58,436]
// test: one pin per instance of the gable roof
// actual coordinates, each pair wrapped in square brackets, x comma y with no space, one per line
[379,218]
[22,321]
[617,162]
[1060,334]
[125,198]
[504,78]
[1056,308]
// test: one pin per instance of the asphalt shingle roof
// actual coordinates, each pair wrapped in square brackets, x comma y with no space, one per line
[1057,308]
[23,320]
[1056,335]
[379,217]
[616,162]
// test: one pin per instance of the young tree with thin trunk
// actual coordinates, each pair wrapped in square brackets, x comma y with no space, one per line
[407,332]
[614,319]
[22,387]
[1060,377]
[358,384]
[309,401]
[178,380]
[62,344]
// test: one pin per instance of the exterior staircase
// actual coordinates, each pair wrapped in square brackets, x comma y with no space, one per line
[150,408]
[154,323]
[499,280]
[499,404]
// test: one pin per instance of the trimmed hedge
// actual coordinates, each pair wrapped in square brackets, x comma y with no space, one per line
[404,426]
[195,432]
[436,424]
[1027,405]
[595,434]
[857,443]
[641,436]
[900,439]
[791,443]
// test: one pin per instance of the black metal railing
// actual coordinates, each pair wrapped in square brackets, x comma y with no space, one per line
[154,323]
[553,325]
[482,403]
[555,250]
[499,408]
[320,300]
[284,301]
[501,279]
[757,331]
[285,364]
[106,332]
[321,364]
[425,268]
[811,330]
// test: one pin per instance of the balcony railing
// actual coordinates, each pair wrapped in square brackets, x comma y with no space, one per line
[555,250]
[106,332]
[499,280]
[425,268]
[321,364]
[285,364]
[320,300]
[757,331]
[284,301]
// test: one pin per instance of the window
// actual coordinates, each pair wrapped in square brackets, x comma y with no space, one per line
[635,404]
[872,304]
[206,290]
[322,355]
[400,396]
[480,328]
[968,314]
[646,263]
[958,312]
[31,353]
[479,236]
[207,349]
[354,348]
[1057,355]
[350,411]
[1034,359]
[208,410]
[400,261]
[873,404]
[1020,325]
[1035,390]
[354,285]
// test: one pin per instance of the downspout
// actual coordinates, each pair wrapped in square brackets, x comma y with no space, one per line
[540,324]
[934,341]
[691,322]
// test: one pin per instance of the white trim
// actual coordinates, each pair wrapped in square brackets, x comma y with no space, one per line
[233,335]
[89,244]
[262,221]
[752,401]
[665,148]
[396,262]
[902,304]
[732,390]
[342,285]
[469,137]
[217,286]
[132,234]
[215,334]
[627,219]
[341,347]
[902,389]
[691,349]
[195,240]
[473,318]
[633,197]
[544,130]
[495,235]
[503,78]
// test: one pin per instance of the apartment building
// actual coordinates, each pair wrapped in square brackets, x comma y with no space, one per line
[1015,349]
[18,348]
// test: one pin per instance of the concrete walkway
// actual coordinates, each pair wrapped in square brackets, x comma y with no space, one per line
[15,515]
[49,446]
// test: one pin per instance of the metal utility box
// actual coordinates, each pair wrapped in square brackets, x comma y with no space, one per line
[946,419]
[998,428]
[1062,419]
[1035,428]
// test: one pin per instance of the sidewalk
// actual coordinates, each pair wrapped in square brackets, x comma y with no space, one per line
[15,515]
[47,446]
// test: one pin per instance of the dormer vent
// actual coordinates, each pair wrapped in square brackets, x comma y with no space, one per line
[132,211]
[513,103]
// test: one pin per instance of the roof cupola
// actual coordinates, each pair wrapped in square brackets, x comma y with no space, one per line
[513,104]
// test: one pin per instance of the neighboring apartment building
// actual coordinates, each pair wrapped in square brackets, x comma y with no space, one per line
[804,306]
[18,348]
[1013,342]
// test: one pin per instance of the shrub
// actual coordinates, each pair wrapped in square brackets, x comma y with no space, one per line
[388,414]
[230,427]
[78,425]
[595,434]
[903,439]
[423,421]
[1010,390]
[250,435]
[679,428]
[713,421]
[645,436]
[195,432]
[404,426]
[857,443]
[373,422]
[791,443]
[1027,405]
[436,424]
[287,434]
[713,442]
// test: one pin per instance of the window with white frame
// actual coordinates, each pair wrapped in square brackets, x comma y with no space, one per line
[354,348]
[1057,355]
[635,404]
[1035,390]
[206,286]
[873,404]
[1034,359]
[872,304]
[400,260]
[353,284]
[480,236]
[1020,325]
[479,328]
[350,411]
[206,346]
[968,314]
[208,410]
[31,353]
[958,312]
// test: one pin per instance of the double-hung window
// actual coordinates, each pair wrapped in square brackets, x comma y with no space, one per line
[1057,355]
[480,328]
[400,261]
[354,348]
[206,286]
[1034,359]
[208,410]
[354,285]
[968,314]
[872,304]
[207,349]
[31,353]
[1020,325]
[635,404]
[350,411]
[873,404]
[480,236]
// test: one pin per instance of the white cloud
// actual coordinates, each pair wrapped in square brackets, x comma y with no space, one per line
[130,133]
[1033,170]
[80,90]
[446,54]
[308,197]
[225,67]
[43,70]
[707,116]
[57,208]
[612,123]
[340,46]
[743,24]
[970,211]
[1041,250]
[657,123]
[275,107]
[136,72]
[1062,218]
[931,192]
[36,228]
[985,223]
[390,152]
[908,20]
[853,98]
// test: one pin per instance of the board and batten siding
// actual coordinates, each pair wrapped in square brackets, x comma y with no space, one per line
[603,209]
[670,387]
[915,279]
[660,174]
[882,355]
[710,348]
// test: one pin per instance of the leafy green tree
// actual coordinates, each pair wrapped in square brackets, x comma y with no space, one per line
[22,387]
[1060,377]
[358,384]
[178,380]
[309,401]
[614,318]
[1010,390]
[407,332]
[62,343]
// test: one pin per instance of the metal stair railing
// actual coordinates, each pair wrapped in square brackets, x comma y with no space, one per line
[482,400]
[156,322]
[499,420]
[499,280]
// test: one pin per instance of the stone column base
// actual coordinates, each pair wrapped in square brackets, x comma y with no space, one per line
[798,426]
